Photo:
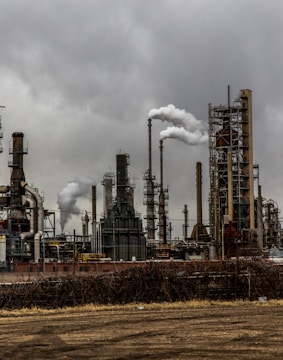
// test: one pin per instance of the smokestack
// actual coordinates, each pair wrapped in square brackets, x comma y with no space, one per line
[199,231]
[149,149]
[162,215]
[199,192]
[186,225]
[17,175]
[93,191]
[93,238]
[150,202]
[161,164]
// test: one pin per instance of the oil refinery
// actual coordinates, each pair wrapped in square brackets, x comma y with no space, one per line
[241,222]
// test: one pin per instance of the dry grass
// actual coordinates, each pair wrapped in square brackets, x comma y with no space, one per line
[197,304]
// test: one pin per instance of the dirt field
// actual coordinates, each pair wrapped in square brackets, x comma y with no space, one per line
[183,331]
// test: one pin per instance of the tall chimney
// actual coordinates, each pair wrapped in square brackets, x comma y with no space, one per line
[93,190]
[162,215]
[199,192]
[199,231]
[17,175]
[186,225]
[93,238]
[150,202]
[149,148]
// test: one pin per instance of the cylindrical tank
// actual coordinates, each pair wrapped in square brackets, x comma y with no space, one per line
[212,252]
[2,250]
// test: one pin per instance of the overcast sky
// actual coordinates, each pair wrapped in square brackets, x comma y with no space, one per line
[78,78]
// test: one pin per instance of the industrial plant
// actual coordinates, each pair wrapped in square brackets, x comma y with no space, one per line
[241,222]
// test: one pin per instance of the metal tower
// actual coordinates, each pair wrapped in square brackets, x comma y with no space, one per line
[231,164]
[150,192]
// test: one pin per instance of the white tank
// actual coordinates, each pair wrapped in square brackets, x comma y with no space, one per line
[2,249]
[212,252]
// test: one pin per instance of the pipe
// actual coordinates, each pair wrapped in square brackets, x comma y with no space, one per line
[37,239]
[39,202]
[29,234]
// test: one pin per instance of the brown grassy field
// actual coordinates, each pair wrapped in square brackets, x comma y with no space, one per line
[191,330]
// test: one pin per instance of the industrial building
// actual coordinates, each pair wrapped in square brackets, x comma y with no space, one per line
[21,226]
[241,221]
[121,227]
[245,225]
[27,230]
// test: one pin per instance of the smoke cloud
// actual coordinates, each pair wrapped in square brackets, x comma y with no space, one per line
[186,127]
[190,138]
[67,198]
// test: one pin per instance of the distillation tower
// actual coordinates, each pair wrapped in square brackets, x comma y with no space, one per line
[231,169]
[121,227]
[150,191]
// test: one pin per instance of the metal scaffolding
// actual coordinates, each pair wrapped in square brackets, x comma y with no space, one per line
[231,164]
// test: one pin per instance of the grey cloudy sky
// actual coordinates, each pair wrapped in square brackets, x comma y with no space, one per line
[78,78]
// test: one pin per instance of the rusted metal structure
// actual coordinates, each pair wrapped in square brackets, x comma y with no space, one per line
[231,169]
[199,232]
[21,226]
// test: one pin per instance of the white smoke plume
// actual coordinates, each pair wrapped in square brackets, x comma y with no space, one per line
[190,138]
[67,198]
[186,127]
[177,117]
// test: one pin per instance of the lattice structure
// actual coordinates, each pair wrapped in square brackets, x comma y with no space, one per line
[231,164]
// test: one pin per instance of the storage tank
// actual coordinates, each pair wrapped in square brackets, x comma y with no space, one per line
[2,250]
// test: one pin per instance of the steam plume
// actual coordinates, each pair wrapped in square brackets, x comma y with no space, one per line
[177,117]
[186,127]
[67,198]
[190,138]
